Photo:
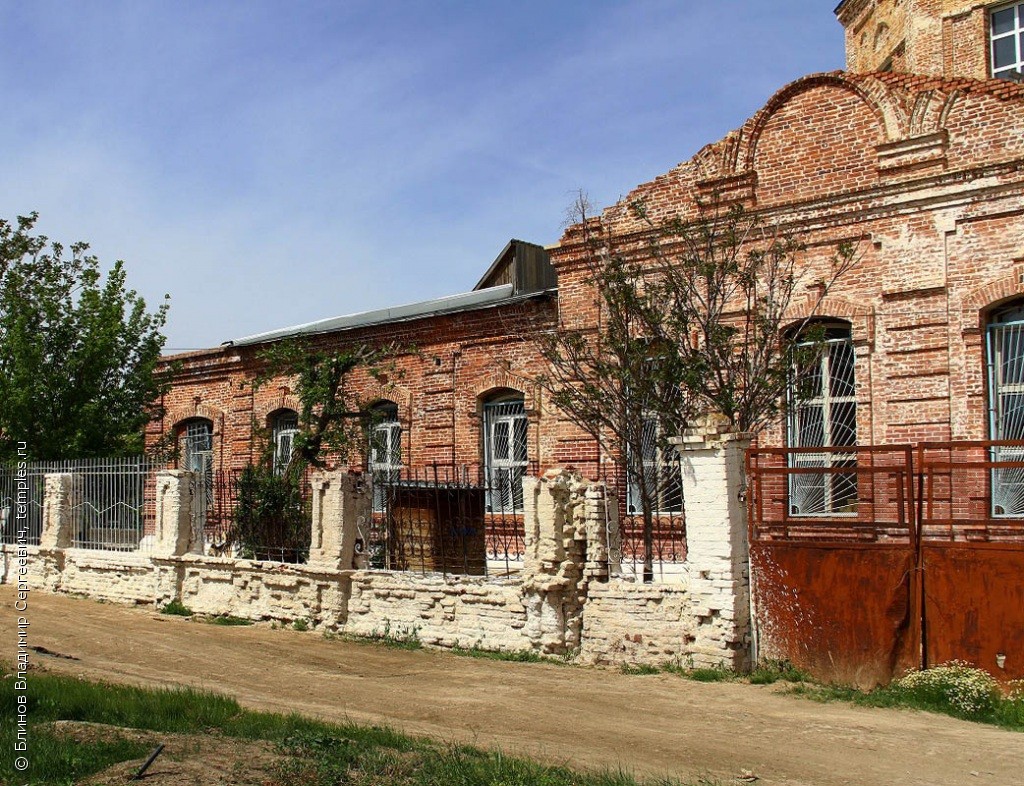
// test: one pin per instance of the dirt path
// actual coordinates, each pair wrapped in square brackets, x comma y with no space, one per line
[585,717]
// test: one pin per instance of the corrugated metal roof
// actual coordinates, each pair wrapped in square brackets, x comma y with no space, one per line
[466,301]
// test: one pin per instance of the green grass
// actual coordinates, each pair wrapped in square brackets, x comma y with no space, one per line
[227,619]
[769,672]
[176,608]
[318,753]
[998,710]
[300,625]
[513,656]
[641,669]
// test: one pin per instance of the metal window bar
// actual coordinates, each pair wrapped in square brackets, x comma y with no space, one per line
[1006,412]
[385,458]
[286,426]
[505,452]
[823,413]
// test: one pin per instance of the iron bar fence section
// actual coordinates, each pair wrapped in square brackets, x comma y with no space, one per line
[34,477]
[458,520]
[791,494]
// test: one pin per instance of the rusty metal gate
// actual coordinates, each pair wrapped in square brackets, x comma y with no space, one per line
[972,554]
[832,548]
[868,561]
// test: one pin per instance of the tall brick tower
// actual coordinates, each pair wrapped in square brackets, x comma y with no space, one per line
[946,38]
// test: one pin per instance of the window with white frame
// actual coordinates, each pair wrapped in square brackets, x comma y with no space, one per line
[1007,39]
[657,466]
[384,460]
[197,446]
[505,453]
[1005,351]
[823,414]
[284,426]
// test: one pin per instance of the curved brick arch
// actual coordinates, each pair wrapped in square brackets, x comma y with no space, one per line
[860,317]
[977,303]
[178,415]
[262,411]
[879,100]
[391,391]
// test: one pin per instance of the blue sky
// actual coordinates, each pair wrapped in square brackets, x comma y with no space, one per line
[270,163]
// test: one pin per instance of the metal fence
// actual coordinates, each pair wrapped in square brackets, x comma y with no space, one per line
[31,497]
[112,503]
[230,518]
[445,519]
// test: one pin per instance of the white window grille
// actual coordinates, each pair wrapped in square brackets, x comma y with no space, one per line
[285,426]
[1007,39]
[385,453]
[661,471]
[1006,407]
[823,413]
[505,454]
[197,457]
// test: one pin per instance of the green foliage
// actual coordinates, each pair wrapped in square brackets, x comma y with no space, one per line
[331,418]
[77,351]
[771,671]
[176,608]
[710,675]
[271,519]
[229,620]
[514,656]
[319,753]
[300,625]
[953,688]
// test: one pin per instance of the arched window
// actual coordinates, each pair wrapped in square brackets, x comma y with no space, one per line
[196,446]
[284,425]
[822,401]
[505,452]
[1005,360]
[384,455]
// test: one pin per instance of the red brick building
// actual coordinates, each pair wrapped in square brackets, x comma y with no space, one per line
[915,154]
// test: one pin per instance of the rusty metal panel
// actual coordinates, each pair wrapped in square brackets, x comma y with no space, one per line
[844,613]
[974,605]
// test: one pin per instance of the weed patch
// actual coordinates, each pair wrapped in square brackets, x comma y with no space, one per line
[227,619]
[177,609]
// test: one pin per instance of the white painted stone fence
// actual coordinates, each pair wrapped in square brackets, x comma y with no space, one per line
[568,599]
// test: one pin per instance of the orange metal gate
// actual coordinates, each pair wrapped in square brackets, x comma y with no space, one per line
[918,559]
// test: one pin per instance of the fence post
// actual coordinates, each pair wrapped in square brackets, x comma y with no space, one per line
[58,499]
[556,528]
[716,545]
[341,507]
[173,536]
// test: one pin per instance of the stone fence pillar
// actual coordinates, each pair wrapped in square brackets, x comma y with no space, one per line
[342,507]
[58,500]
[716,544]
[567,544]
[175,489]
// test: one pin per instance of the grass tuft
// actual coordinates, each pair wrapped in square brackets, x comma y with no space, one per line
[227,619]
[177,609]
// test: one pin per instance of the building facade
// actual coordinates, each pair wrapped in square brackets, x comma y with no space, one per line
[914,155]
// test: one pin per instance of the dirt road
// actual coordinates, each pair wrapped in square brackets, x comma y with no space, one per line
[659,725]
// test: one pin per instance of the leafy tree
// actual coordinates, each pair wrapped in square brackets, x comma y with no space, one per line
[77,351]
[690,322]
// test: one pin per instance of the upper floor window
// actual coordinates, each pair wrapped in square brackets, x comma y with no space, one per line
[823,414]
[1005,360]
[284,426]
[655,468]
[384,456]
[505,453]
[1007,35]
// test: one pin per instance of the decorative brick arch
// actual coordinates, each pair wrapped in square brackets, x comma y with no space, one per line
[879,100]
[262,411]
[178,415]
[860,317]
[501,380]
[399,394]
[977,303]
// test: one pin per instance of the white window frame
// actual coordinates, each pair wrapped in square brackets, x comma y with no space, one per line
[1016,34]
[657,462]
[800,485]
[1007,498]
[384,453]
[284,428]
[505,473]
